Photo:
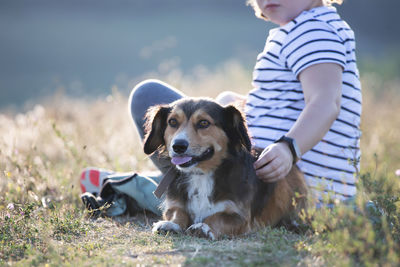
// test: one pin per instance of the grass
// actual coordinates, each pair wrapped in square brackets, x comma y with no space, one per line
[42,221]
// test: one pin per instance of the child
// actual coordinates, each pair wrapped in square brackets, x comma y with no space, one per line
[306,86]
[305,104]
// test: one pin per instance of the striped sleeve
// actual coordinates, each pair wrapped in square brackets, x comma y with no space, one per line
[311,43]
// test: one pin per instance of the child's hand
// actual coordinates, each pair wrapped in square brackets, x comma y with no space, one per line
[274,163]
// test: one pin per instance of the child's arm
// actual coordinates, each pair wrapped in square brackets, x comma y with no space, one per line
[322,88]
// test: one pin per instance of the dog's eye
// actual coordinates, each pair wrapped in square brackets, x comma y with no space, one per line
[173,122]
[203,124]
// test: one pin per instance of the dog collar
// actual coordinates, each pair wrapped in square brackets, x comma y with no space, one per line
[167,179]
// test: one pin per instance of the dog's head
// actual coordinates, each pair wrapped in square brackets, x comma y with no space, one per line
[196,133]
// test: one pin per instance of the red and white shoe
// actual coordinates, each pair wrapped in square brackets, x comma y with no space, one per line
[92,179]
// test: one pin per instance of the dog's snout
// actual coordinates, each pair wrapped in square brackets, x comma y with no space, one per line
[180,146]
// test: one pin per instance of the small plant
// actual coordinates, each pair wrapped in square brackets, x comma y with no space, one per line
[18,232]
[364,231]
[67,225]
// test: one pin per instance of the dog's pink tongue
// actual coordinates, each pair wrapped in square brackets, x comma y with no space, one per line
[180,160]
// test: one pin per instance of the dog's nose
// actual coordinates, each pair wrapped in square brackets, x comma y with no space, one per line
[180,146]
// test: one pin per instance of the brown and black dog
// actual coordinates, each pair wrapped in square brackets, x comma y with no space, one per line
[216,191]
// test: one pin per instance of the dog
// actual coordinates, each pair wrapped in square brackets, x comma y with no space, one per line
[216,191]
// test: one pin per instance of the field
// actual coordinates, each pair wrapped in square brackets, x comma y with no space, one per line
[42,221]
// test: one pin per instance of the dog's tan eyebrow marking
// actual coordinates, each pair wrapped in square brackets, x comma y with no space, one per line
[178,114]
[201,115]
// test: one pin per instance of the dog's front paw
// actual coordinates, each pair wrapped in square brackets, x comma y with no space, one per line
[163,227]
[201,230]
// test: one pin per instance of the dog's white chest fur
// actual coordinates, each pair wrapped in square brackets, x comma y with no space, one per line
[200,189]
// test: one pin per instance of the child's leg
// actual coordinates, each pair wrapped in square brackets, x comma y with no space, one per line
[146,94]
[140,188]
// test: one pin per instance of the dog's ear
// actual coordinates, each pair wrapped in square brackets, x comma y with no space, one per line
[236,128]
[156,122]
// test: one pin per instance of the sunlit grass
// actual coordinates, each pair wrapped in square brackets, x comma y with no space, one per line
[42,220]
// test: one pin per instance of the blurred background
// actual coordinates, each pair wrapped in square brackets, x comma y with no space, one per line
[86,48]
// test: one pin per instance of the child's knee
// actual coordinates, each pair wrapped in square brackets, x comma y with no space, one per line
[143,89]
[141,96]
[228,97]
